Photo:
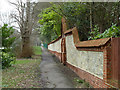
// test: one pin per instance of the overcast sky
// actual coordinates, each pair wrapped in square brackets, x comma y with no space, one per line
[5,9]
[5,6]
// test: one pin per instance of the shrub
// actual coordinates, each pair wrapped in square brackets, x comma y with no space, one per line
[113,31]
[7,39]
[7,60]
[80,81]
[94,33]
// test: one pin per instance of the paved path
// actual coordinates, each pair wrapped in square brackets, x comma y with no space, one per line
[51,73]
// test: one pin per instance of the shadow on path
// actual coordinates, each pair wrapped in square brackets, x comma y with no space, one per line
[53,73]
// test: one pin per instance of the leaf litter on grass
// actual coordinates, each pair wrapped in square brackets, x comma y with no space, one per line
[21,75]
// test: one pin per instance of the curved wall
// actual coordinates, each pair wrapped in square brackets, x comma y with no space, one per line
[89,61]
[56,46]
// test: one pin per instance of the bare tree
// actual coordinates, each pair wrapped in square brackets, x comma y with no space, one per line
[24,16]
[5,18]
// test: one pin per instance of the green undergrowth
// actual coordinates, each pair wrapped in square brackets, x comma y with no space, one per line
[24,73]
[21,75]
[82,83]
[113,31]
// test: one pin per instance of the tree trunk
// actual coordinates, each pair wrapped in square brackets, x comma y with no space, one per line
[118,14]
[91,26]
[26,47]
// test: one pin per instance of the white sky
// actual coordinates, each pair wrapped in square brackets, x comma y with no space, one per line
[5,6]
[5,9]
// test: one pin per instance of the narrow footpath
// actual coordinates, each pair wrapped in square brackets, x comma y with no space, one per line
[53,73]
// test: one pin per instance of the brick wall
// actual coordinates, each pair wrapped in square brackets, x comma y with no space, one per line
[110,63]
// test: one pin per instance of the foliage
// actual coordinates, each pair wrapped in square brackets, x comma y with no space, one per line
[7,40]
[80,81]
[76,14]
[113,31]
[7,60]
[84,15]
[7,56]
[105,13]
[94,33]
[87,84]
[83,83]
[51,24]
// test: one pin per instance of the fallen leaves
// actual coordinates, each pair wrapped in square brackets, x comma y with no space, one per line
[21,75]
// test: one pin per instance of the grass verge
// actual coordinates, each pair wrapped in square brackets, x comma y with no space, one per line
[24,73]
[37,50]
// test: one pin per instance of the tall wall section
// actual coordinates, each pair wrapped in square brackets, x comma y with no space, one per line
[96,61]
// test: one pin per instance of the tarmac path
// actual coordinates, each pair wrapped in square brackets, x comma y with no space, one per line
[53,73]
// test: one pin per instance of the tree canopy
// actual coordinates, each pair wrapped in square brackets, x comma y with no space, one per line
[83,15]
[51,24]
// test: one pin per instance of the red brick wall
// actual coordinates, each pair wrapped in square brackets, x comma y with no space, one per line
[93,80]
[107,67]
[111,50]
[96,82]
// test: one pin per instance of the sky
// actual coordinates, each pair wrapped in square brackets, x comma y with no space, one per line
[5,6]
[5,9]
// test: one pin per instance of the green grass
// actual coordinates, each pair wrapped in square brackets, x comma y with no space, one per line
[24,61]
[21,75]
[24,73]
[37,50]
